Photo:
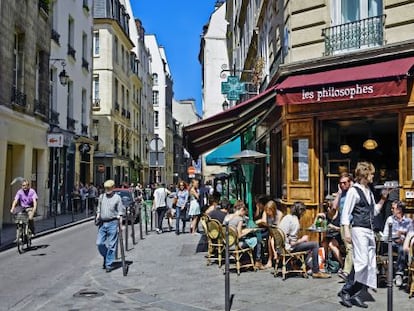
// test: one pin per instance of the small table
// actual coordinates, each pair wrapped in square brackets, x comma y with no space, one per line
[322,234]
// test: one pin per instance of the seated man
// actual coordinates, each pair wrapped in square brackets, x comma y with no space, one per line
[219,212]
[290,226]
[400,227]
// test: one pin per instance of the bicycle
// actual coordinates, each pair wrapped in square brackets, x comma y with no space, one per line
[23,232]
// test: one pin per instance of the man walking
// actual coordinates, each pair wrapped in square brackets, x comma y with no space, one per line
[160,205]
[109,213]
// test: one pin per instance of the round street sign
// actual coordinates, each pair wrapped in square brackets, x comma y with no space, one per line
[153,144]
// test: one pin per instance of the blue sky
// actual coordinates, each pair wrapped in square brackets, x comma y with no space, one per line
[178,26]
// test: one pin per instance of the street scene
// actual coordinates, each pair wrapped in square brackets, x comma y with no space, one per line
[167,272]
[212,155]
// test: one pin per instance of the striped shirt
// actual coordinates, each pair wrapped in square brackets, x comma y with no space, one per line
[110,207]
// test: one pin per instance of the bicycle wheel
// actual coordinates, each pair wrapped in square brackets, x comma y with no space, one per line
[19,240]
[28,237]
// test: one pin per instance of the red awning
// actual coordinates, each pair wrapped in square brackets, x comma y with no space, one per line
[209,133]
[381,79]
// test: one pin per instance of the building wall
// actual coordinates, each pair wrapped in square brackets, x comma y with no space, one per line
[23,114]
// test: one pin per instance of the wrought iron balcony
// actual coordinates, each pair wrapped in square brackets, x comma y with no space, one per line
[123,112]
[85,64]
[40,108]
[44,5]
[128,115]
[55,36]
[71,124]
[18,98]
[84,130]
[54,117]
[116,106]
[96,104]
[363,33]
[86,5]
[71,51]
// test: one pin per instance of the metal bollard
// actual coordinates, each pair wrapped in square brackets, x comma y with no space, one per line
[145,218]
[390,270]
[127,219]
[227,299]
[140,221]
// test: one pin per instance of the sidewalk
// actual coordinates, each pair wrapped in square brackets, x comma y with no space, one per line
[168,274]
[42,226]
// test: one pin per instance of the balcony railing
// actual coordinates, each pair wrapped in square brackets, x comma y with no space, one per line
[363,33]
[85,5]
[84,130]
[85,64]
[123,112]
[54,117]
[18,98]
[71,51]
[40,108]
[55,36]
[96,104]
[116,107]
[128,115]
[44,5]
[71,124]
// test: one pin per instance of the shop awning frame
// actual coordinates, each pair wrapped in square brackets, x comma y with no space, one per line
[209,133]
[381,79]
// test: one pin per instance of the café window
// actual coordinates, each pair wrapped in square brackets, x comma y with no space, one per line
[410,156]
[300,148]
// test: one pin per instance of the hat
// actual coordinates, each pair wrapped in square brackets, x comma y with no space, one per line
[109,183]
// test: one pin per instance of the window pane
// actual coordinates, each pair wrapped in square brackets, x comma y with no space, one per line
[410,156]
[301,159]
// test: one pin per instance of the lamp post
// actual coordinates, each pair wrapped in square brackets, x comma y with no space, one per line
[247,161]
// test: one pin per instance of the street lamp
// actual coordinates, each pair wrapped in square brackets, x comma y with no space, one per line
[63,76]
[247,161]
[225,105]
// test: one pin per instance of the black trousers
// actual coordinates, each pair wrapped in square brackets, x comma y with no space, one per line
[351,287]
[161,211]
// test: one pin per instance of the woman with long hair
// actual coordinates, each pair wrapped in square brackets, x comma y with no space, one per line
[194,211]
[181,206]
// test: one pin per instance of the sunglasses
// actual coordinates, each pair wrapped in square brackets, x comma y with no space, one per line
[343,182]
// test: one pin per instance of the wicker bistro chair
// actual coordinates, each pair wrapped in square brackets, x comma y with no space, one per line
[287,256]
[411,272]
[236,249]
[214,233]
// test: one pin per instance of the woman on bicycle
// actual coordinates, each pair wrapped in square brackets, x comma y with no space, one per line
[26,201]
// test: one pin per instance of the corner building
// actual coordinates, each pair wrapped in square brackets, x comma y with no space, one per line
[336,88]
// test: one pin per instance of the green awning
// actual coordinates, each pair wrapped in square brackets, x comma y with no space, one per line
[223,154]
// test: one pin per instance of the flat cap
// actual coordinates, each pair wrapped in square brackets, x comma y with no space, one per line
[109,183]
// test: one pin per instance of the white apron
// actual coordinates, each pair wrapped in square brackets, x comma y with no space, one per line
[364,256]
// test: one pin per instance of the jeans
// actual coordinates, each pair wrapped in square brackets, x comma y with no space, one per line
[161,211]
[179,215]
[402,257]
[310,246]
[107,240]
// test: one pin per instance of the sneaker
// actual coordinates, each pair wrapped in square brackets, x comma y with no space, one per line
[398,279]
[321,275]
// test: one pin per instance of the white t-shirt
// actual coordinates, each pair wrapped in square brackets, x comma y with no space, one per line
[290,226]
[160,197]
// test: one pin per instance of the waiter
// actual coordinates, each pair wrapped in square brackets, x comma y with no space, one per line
[360,203]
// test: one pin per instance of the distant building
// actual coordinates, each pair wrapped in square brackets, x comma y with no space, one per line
[162,96]
[24,96]
[116,83]
[213,59]
[70,103]
[184,113]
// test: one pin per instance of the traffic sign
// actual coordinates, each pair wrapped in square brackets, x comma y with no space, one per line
[55,140]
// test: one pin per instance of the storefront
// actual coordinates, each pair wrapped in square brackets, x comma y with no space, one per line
[336,116]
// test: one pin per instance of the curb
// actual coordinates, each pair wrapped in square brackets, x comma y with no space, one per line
[49,231]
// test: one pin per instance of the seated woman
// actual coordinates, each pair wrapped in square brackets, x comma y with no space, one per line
[236,221]
[271,217]
[291,226]
[213,201]
[333,237]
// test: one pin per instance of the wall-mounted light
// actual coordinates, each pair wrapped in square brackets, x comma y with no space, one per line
[225,105]
[63,76]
